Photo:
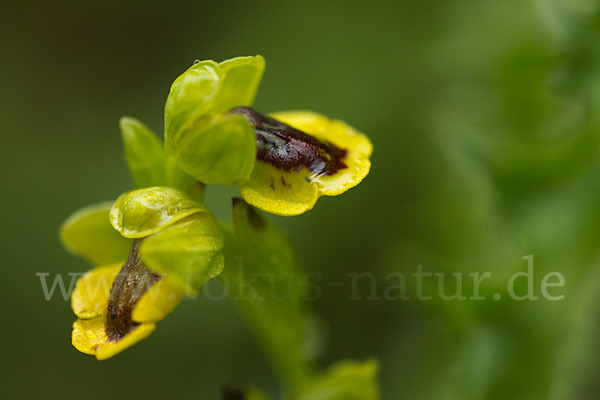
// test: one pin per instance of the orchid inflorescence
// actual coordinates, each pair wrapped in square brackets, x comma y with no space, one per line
[158,243]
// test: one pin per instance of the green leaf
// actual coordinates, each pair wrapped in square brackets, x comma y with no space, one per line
[88,233]
[142,212]
[346,380]
[144,153]
[188,253]
[269,289]
[222,151]
[242,77]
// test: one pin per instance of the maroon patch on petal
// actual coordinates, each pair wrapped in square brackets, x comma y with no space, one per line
[288,148]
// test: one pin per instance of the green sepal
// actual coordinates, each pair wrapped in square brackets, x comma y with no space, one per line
[346,380]
[268,287]
[221,151]
[143,212]
[188,253]
[208,145]
[191,96]
[144,153]
[88,233]
[242,76]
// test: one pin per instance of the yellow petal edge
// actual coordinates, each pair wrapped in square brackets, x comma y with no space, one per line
[89,337]
[90,302]
[90,296]
[289,193]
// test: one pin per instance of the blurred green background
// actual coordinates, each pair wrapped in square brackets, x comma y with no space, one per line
[485,117]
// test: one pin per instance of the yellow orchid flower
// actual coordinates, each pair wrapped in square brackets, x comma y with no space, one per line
[282,163]
[118,309]
[175,248]
[158,243]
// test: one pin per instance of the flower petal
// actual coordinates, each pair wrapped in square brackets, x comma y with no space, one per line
[88,233]
[142,212]
[301,156]
[279,192]
[88,334]
[107,349]
[90,296]
[357,145]
[157,302]
[89,337]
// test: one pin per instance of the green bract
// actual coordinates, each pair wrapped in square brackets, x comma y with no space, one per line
[346,380]
[188,253]
[88,233]
[148,163]
[142,212]
[144,153]
[208,146]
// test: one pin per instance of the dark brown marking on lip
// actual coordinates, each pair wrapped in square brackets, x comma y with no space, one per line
[129,286]
[255,219]
[288,148]
[233,393]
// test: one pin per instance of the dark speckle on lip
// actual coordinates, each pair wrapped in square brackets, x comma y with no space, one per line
[288,148]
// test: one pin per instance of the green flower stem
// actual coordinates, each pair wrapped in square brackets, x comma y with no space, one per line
[266,285]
